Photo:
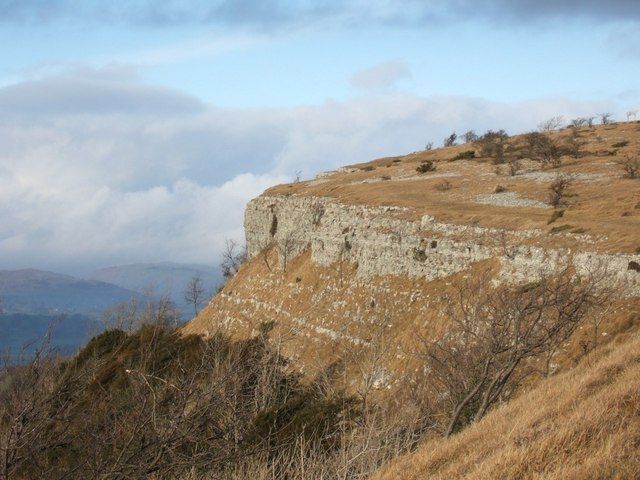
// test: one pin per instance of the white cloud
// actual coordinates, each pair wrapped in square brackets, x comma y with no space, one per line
[155,175]
[382,76]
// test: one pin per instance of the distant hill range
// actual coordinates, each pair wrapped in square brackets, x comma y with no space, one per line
[46,293]
[32,302]
[164,278]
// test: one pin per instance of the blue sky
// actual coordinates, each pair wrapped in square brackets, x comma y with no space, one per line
[136,131]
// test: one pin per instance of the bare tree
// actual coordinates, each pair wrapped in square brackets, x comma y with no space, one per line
[122,316]
[161,312]
[194,293]
[429,146]
[605,118]
[553,123]
[450,141]
[632,114]
[285,247]
[541,147]
[233,256]
[495,331]
[575,143]
[470,136]
[579,122]
[558,190]
[492,144]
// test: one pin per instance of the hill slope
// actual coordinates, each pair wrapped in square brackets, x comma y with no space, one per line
[584,423]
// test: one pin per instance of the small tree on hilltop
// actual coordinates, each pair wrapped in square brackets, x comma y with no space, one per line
[605,118]
[492,145]
[541,147]
[450,141]
[578,122]
[470,136]
[554,123]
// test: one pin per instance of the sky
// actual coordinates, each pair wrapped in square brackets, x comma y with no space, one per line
[136,131]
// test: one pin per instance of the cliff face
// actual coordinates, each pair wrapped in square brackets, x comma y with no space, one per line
[378,241]
[361,256]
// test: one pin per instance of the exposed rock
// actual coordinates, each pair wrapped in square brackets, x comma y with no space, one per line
[380,243]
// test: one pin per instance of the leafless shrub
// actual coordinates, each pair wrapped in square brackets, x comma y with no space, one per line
[494,332]
[286,248]
[159,311]
[194,293]
[541,147]
[450,141]
[631,167]
[425,167]
[470,136]
[492,145]
[605,118]
[579,122]
[148,309]
[122,316]
[632,114]
[558,190]
[553,123]
[428,146]
[575,143]
[513,166]
[443,186]
[233,256]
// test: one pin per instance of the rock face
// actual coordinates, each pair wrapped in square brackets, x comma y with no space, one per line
[364,259]
[378,241]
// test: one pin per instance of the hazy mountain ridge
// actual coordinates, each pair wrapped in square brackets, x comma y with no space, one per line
[31,291]
[164,278]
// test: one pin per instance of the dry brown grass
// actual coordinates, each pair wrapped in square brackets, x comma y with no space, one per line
[597,204]
[581,424]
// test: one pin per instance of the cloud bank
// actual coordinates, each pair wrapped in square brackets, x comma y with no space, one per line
[273,14]
[100,170]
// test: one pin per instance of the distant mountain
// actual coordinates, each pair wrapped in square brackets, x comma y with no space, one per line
[161,278]
[21,334]
[39,292]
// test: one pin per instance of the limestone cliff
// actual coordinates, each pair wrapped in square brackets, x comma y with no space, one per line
[362,255]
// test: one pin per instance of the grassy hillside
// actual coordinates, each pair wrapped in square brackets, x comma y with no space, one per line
[582,424]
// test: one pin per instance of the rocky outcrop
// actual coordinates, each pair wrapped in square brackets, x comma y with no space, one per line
[380,242]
